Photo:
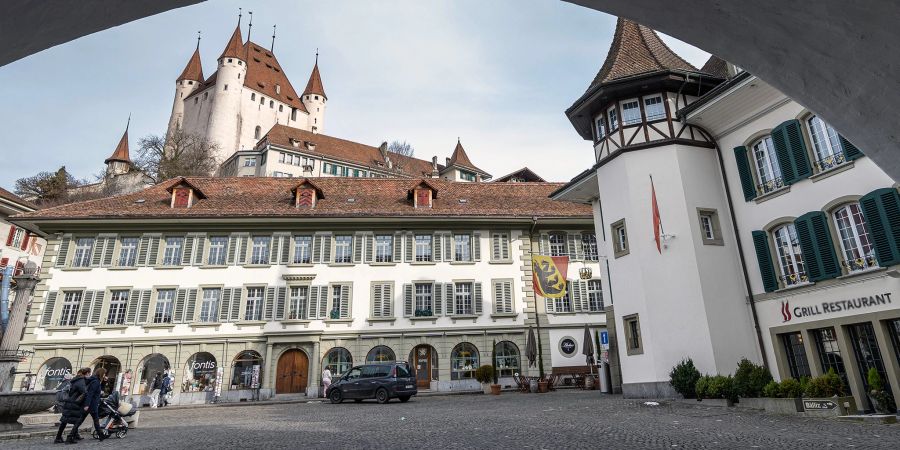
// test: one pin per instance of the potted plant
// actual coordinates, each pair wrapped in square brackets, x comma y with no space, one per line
[828,388]
[881,400]
[495,388]
[484,375]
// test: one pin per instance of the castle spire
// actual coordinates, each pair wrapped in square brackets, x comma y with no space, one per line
[194,69]
[314,86]
[235,45]
[121,152]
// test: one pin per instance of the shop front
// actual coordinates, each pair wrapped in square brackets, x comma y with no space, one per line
[52,373]
[200,380]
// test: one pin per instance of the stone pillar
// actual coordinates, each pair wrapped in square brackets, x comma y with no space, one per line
[9,346]
[315,373]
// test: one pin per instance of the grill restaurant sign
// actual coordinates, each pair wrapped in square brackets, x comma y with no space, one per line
[788,313]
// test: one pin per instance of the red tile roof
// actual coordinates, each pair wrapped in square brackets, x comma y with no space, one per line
[525,173]
[314,85]
[9,196]
[460,158]
[264,74]
[371,197]
[346,151]
[194,69]
[235,47]
[716,66]
[121,151]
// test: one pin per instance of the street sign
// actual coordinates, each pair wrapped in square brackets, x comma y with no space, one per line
[819,404]
[604,339]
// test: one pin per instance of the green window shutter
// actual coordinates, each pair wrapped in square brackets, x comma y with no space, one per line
[63,251]
[97,308]
[236,304]
[476,298]
[49,304]
[198,254]
[408,300]
[178,310]
[850,150]
[188,251]
[881,210]
[790,149]
[764,257]
[817,246]
[108,251]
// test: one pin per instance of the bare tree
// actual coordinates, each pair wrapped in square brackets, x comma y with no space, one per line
[49,188]
[404,149]
[178,154]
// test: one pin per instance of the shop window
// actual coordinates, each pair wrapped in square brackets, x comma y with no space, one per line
[768,170]
[297,303]
[633,343]
[83,249]
[165,301]
[894,332]
[117,302]
[795,354]
[463,361]
[710,231]
[830,357]
[338,361]
[199,373]
[507,355]
[790,256]
[246,371]
[112,366]
[463,246]
[71,305]
[302,245]
[620,238]
[152,367]
[380,353]
[856,246]
[52,373]
[127,251]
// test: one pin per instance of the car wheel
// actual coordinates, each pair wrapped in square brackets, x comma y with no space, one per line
[381,396]
[336,396]
[403,398]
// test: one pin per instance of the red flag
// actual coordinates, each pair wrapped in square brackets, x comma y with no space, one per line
[656,221]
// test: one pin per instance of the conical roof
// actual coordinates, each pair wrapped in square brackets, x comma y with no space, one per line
[635,50]
[193,70]
[314,86]
[121,152]
[235,47]
[461,159]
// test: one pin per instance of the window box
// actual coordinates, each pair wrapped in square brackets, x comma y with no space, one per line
[862,272]
[832,171]
[424,313]
[432,319]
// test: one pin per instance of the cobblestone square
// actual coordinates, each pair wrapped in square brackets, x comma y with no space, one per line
[565,419]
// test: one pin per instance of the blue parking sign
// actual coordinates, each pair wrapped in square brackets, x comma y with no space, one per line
[604,338]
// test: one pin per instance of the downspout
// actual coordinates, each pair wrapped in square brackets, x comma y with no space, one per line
[740,248]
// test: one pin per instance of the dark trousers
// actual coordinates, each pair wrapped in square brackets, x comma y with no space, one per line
[95,415]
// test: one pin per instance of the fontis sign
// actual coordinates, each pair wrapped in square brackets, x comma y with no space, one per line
[55,373]
[205,365]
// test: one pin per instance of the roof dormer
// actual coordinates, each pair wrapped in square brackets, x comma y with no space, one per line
[184,194]
[423,194]
[306,194]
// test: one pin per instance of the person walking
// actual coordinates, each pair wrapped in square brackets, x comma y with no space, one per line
[166,386]
[73,408]
[155,389]
[62,392]
[326,379]
[92,400]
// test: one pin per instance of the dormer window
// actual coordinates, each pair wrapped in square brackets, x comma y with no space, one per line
[278,89]
[306,195]
[295,142]
[310,145]
[423,195]
[184,194]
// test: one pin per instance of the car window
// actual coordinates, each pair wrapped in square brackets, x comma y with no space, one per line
[369,371]
[403,371]
[354,373]
[382,371]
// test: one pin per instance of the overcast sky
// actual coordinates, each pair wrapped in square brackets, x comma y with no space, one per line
[498,74]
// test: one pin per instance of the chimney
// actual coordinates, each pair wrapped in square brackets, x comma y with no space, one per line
[383,149]
[434,167]
[448,162]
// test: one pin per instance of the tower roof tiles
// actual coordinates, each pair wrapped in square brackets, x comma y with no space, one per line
[121,151]
[194,69]
[235,47]
[314,85]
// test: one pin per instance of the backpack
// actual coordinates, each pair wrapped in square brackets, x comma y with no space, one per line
[63,393]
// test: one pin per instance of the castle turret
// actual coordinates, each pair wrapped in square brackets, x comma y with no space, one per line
[189,81]
[314,99]
[119,162]
[225,95]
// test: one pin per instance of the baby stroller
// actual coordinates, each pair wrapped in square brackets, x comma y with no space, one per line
[115,411]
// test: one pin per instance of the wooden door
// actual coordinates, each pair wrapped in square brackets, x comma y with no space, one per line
[293,373]
[422,358]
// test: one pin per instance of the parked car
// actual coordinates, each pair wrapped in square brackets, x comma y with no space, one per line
[381,381]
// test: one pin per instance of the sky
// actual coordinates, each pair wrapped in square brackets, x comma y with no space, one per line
[498,75]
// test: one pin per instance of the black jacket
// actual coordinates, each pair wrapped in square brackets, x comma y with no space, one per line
[73,407]
[92,398]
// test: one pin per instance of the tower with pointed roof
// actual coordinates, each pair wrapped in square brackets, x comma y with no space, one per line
[189,81]
[226,96]
[656,188]
[460,168]
[314,99]
[119,163]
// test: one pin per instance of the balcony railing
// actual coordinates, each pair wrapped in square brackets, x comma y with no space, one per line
[829,162]
[794,279]
[771,185]
[860,264]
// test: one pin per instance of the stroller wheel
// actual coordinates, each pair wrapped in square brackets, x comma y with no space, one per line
[121,433]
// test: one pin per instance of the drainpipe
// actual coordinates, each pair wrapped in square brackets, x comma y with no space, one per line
[740,248]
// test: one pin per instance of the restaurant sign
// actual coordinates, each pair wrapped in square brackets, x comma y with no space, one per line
[788,313]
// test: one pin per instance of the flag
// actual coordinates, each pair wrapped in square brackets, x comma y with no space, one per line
[657,223]
[549,277]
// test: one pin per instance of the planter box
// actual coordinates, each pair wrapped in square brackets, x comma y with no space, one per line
[773,405]
[829,407]
[718,402]
[752,403]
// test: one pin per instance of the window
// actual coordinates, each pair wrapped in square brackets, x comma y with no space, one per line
[633,335]
[340,302]
[654,108]
[209,308]
[271,104]
[423,247]
[262,100]
[631,112]
[463,361]
[613,119]
[462,299]
[894,332]
[601,128]
[217,251]
[278,89]
[867,352]
[251,161]
[302,246]
[507,356]
[280,108]
[564,304]
[499,246]
[768,170]
[595,295]
[558,244]
[589,246]
[18,234]
[382,299]
[260,250]
[826,144]
[710,231]
[463,244]
[252,96]
[253,310]
[503,296]
[165,300]
[790,257]
[83,249]
[424,302]
[466,176]
[117,303]
[380,353]
[859,254]
[128,252]
[343,249]
[829,352]
[384,247]
[172,251]
[338,361]
[256,132]
[620,238]
[225,88]
[297,303]
[71,305]
[795,355]
[242,371]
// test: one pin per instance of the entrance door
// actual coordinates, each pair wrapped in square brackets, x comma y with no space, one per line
[422,357]
[293,373]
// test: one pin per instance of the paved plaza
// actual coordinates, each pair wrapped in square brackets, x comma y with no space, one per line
[565,419]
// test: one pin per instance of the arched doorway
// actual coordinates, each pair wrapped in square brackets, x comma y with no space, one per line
[292,376]
[150,367]
[113,367]
[424,362]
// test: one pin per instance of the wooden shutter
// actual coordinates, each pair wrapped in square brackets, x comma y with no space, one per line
[496,252]
[387,300]
[286,249]
[269,305]
[324,296]
[850,150]
[144,309]
[551,307]
[63,251]
[232,249]
[881,210]
[817,246]
[377,299]
[242,249]
[544,247]
[571,245]
[370,248]
[476,297]
[449,299]
[346,295]
[574,295]
[84,309]
[398,248]
[153,252]
[408,300]
[280,303]
[790,149]
[235,314]
[358,245]
[437,294]
[97,251]
[190,305]
[764,258]
[25,240]
[142,250]
[49,304]
[134,302]
[108,249]
[476,246]
[317,248]
[508,297]
[328,248]
[437,247]
[178,315]
[97,308]
[449,248]
[312,307]
[498,296]
[410,247]
[274,249]
[201,247]
[11,235]
[748,186]
[225,305]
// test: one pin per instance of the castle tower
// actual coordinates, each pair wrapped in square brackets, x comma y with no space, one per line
[189,81]
[314,100]
[119,163]
[225,112]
